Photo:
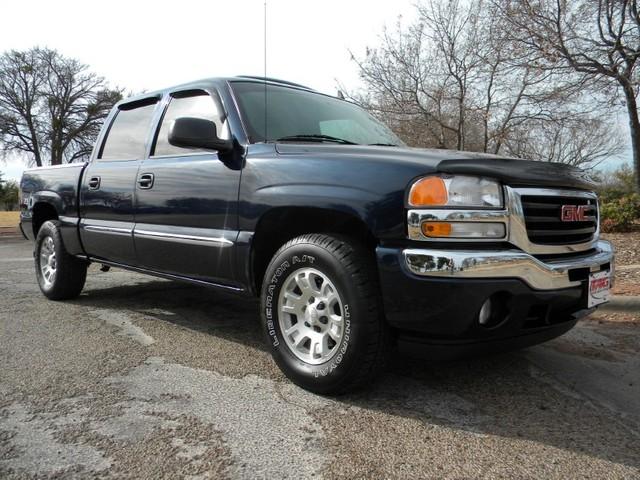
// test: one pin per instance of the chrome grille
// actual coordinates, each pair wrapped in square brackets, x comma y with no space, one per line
[544,222]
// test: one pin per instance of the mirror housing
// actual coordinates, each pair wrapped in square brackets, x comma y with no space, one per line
[189,132]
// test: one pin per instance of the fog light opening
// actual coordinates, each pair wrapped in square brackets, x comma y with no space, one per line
[494,310]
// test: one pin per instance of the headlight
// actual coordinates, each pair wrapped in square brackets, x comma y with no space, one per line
[455,191]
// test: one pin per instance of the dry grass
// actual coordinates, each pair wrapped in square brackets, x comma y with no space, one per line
[9,219]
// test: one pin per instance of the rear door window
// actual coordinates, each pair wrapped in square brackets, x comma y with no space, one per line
[195,104]
[128,133]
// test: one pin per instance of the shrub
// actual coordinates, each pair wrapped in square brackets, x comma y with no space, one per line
[9,195]
[616,184]
[619,215]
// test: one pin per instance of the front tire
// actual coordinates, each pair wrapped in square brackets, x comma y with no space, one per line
[321,313]
[61,276]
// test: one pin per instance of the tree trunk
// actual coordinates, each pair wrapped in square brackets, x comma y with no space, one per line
[37,158]
[461,124]
[56,157]
[35,143]
[634,127]
[485,139]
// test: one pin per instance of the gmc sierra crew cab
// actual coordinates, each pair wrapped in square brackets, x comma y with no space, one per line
[353,242]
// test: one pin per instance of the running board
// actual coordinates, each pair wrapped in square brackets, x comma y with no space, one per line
[168,276]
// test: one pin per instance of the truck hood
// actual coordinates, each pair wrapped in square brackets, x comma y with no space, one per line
[510,171]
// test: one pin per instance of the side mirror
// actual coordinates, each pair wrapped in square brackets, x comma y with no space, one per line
[189,132]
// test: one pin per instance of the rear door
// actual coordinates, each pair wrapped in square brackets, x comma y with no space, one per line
[107,195]
[186,215]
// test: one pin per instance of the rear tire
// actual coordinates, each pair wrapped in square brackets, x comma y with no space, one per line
[60,276]
[322,314]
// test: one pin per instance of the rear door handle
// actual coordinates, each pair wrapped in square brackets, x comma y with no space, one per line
[145,181]
[94,183]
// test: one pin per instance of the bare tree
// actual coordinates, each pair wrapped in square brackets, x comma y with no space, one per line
[51,106]
[581,142]
[599,39]
[457,79]
[21,98]
[451,28]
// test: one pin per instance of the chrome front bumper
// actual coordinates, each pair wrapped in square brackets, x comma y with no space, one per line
[548,275]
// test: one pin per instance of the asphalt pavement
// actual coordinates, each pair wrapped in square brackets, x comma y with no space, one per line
[147,378]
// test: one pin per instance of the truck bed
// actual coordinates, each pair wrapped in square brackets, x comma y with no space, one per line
[57,187]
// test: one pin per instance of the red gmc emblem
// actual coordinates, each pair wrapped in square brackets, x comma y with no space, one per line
[600,284]
[576,213]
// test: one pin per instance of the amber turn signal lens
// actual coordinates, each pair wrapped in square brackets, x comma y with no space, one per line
[436,229]
[428,191]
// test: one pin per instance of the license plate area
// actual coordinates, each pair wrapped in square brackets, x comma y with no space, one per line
[598,288]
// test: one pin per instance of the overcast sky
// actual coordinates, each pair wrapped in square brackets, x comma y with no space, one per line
[146,45]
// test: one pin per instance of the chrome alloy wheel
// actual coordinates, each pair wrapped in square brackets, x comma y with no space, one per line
[310,315]
[47,261]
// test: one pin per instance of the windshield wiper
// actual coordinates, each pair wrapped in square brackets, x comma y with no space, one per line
[382,145]
[315,138]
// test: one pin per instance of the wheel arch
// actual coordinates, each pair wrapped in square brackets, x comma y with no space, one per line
[281,224]
[43,210]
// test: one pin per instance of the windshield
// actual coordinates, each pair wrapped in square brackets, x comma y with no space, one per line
[306,115]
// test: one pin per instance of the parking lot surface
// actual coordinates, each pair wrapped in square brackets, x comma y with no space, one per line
[146,378]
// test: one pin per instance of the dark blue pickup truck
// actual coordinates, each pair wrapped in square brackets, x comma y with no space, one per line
[353,242]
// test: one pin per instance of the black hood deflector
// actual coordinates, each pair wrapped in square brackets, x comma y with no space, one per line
[517,172]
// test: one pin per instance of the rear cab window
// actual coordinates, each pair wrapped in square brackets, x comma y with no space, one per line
[127,135]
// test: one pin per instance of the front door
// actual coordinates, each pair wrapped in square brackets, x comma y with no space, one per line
[186,215]
[107,194]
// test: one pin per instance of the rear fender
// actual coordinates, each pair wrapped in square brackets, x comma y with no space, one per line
[39,208]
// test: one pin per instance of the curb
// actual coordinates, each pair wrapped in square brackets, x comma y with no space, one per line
[622,304]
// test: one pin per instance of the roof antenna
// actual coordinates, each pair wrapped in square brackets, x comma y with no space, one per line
[265,71]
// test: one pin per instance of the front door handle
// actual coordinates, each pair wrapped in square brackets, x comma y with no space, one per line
[94,183]
[145,181]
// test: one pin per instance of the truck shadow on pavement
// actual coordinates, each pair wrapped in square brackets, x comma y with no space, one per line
[515,402]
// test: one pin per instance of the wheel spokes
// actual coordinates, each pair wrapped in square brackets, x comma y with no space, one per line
[300,341]
[302,281]
[327,290]
[310,315]
[290,308]
[295,328]
[47,260]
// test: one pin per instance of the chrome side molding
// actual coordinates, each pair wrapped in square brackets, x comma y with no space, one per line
[108,230]
[190,239]
[158,235]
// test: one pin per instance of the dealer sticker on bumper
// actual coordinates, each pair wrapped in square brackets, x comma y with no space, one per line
[599,284]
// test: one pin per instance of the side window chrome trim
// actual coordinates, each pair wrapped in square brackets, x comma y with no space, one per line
[194,154]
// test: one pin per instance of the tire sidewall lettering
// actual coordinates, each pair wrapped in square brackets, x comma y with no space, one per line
[268,304]
[337,360]
[291,263]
